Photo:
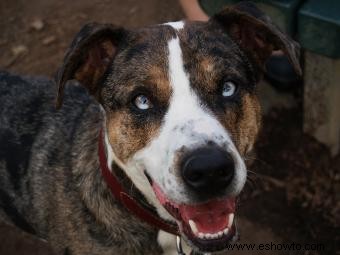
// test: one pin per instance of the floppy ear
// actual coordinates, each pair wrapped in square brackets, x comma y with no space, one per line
[89,56]
[256,34]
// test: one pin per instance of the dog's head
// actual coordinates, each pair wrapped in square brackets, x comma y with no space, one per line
[181,110]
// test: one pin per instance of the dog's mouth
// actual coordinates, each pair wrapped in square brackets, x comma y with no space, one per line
[208,226]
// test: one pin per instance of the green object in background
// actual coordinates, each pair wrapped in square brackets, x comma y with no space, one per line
[315,22]
[282,12]
[319,27]
[213,6]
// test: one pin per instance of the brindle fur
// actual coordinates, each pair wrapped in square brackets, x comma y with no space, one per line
[51,185]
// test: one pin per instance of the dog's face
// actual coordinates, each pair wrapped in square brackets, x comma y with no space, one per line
[180,114]
[181,110]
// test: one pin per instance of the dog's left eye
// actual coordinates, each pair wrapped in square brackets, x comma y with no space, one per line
[229,89]
[142,102]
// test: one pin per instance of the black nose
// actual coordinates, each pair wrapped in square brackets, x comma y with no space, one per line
[208,170]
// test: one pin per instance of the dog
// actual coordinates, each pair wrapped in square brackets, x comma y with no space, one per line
[147,143]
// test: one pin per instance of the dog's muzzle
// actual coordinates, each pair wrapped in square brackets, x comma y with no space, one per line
[208,223]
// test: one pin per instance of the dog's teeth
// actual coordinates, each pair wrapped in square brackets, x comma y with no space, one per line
[213,236]
[230,220]
[193,226]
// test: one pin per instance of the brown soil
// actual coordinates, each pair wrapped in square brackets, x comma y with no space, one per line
[293,189]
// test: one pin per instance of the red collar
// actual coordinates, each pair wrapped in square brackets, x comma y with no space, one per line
[127,201]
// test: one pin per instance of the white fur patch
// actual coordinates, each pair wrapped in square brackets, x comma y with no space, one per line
[168,243]
[176,25]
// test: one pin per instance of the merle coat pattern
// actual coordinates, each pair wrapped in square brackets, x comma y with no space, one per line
[51,185]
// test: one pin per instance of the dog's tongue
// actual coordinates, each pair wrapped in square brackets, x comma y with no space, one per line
[210,217]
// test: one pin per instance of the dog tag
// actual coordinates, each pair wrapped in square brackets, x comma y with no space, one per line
[179,246]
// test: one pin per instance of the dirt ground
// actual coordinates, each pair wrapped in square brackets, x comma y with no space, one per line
[293,191]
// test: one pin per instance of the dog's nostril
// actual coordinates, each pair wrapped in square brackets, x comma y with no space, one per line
[208,169]
[195,177]
[221,172]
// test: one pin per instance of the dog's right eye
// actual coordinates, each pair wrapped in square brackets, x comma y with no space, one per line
[142,102]
[229,89]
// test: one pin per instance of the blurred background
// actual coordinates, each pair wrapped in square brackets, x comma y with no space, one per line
[293,189]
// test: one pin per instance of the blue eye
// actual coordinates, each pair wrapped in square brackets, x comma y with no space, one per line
[142,102]
[229,89]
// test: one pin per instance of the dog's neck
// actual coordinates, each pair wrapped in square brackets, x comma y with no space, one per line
[110,222]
